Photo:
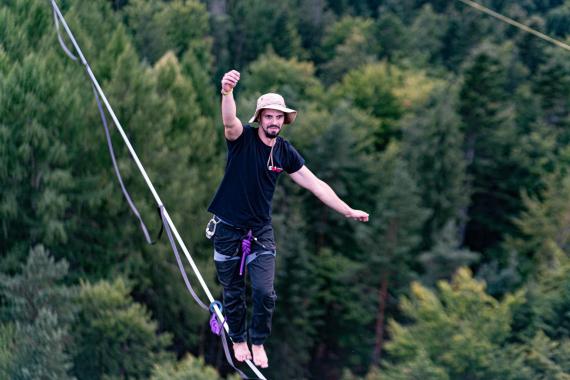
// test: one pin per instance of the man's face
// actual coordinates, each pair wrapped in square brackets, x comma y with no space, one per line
[271,121]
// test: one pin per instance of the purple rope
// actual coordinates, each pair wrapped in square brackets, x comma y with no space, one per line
[246,250]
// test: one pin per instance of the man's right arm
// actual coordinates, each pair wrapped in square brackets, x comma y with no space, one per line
[233,127]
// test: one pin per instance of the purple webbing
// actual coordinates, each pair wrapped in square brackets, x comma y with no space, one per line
[246,250]
[215,325]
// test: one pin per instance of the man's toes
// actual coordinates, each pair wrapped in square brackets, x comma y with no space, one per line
[259,356]
[241,351]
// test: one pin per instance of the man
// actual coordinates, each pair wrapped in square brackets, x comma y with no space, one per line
[241,227]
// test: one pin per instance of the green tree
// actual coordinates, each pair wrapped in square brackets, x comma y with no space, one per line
[36,319]
[187,368]
[543,237]
[7,344]
[490,142]
[540,324]
[385,92]
[553,86]
[293,79]
[426,37]
[344,298]
[114,336]
[460,331]
[557,21]
[296,323]
[346,46]
[257,25]
[531,49]
[159,26]
[391,240]
[445,256]
[464,30]
[392,36]
[34,156]
[433,146]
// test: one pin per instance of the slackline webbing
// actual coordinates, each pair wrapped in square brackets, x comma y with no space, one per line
[516,24]
[168,225]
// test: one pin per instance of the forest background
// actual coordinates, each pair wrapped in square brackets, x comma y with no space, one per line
[448,126]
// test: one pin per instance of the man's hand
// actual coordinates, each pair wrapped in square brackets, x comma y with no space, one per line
[359,215]
[232,125]
[306,179]
[230,80]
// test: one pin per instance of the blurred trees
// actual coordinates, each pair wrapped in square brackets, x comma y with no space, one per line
[448,126]
[35,322]
[114,337]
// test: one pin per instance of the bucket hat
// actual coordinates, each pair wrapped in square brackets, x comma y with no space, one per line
[274,102]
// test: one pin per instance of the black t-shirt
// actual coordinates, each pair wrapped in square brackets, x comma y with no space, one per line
[243,199]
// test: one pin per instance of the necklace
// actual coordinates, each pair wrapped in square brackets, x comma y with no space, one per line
[270,163]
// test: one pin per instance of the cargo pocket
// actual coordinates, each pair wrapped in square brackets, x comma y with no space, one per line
[226,240]
[265,238]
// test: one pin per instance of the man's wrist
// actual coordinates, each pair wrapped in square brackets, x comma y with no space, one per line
[224,93]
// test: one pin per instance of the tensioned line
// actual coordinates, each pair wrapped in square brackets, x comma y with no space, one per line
[164,213]
[517,24]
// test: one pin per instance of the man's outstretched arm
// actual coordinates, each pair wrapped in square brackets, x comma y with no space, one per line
[232,125]
[305,178]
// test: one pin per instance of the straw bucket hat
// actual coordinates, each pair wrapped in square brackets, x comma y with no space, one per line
[274,102]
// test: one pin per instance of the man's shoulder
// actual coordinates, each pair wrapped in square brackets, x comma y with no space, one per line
[285,143]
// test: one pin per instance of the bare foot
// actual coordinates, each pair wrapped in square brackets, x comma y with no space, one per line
[259,356]
[241,351]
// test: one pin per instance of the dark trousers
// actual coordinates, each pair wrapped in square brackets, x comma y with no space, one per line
[261,273]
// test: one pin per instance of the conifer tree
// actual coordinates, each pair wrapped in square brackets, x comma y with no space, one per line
[543,224]
[425,37]
[459,331]
[371,88]
[34,156]
[160,26]
[293,79]
[37,316]
[249,37]
[393,237]
[346,46]
[433,145]
[114,336]
[296,321]
[445,256]
[490,139]
[187,368]
[553,86]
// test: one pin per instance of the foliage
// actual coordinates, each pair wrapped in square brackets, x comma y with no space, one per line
[114,336]
[34,332]
[434,149]
[475,328]
[448,126]
[188,368]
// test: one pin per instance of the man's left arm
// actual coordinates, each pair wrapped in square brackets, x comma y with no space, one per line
[305,178]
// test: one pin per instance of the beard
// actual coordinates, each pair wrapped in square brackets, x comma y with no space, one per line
[271,134]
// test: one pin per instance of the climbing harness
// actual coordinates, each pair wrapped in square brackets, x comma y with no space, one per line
[215,307]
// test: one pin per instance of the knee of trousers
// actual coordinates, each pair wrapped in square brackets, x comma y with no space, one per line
[267,296]
[234,294]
